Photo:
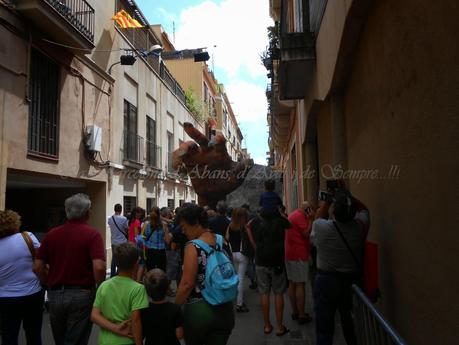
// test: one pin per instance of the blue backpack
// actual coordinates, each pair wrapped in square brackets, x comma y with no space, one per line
[220,285]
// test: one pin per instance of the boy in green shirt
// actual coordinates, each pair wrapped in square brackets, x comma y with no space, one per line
[119,300]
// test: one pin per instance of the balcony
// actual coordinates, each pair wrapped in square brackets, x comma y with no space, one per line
[153,155]
[297,51]
[68,22]
[170,172]
[296,65]
[133,149]
[172,83]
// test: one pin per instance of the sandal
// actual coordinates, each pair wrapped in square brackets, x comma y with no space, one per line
[284,332]
[294,317]
[304,319]
[268,330]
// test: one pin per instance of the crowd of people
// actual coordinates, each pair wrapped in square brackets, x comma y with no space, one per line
[155,251]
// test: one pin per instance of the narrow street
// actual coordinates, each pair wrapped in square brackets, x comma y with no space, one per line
[310,135]
[248,330]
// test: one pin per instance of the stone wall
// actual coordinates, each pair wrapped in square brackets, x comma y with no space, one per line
[249,192]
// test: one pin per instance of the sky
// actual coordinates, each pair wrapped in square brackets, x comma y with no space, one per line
[234,31]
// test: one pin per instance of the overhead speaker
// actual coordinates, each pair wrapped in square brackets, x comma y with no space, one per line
[204,56]
[127,60]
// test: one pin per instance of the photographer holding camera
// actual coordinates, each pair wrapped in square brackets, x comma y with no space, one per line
[340,245]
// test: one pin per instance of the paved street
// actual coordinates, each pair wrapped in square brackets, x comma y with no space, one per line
[248,330]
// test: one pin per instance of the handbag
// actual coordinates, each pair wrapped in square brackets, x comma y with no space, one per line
[29,242]
[368,269]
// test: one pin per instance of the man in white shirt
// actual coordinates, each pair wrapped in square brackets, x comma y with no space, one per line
[119,230]
[340,244]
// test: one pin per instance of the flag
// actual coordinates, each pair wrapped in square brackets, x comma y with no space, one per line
[125,21]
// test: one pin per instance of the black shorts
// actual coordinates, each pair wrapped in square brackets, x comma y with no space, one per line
[156,258]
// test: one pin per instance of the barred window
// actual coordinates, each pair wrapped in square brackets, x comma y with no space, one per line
[129,203]
[171,204]
[43,138]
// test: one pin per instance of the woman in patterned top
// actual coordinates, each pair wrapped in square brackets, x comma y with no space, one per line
[203,323]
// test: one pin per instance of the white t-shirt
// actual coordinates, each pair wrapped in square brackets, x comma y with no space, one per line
[16,276]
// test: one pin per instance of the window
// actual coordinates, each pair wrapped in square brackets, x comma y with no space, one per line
[171,204]
[150,203]
[193,201]
[181,202]
[293,160]
[131,141]
[170,148]
[206,92]
[152,148]
[129,203]
[44,106]
[295,15]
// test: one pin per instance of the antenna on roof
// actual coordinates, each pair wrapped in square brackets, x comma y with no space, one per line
[173,31]
[213,58]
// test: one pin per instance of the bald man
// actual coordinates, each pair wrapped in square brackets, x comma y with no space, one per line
[296,259]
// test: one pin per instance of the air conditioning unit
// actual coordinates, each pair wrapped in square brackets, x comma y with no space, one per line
[94,138]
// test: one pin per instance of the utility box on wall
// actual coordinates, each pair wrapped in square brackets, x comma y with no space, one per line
[94,138]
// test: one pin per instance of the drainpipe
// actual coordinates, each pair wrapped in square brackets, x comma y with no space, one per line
[338,128]
[3,152]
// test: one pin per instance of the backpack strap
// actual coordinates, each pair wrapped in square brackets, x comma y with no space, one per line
[219,242]
[203,245]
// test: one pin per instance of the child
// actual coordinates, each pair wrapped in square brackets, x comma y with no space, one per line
[162,321]
[269,200]
[119,300]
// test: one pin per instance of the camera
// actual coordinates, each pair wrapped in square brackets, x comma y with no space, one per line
[332,187]
[325,196]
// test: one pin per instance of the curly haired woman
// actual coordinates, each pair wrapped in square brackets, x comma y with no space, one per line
[21,295]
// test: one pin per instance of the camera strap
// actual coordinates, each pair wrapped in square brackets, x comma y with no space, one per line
[359,265]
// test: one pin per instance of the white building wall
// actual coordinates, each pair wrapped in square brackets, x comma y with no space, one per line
[142,87]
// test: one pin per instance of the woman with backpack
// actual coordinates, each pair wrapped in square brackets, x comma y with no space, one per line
[236,235]
[208,311]
[155,235]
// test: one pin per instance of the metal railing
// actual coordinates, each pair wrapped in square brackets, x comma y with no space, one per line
[180,93]
[153,154]
[167,76]
[371,327]
[78,13]
[133,147]
[170,170]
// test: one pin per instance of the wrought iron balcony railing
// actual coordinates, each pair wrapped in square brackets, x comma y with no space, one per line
[78,13]
[153,154]
[170,170]
[133,147]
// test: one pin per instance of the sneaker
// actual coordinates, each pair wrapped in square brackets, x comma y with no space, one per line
[242,308]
